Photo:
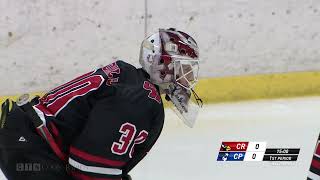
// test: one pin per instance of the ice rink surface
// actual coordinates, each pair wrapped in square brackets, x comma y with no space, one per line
[188,154]
[183,153]
[2,176]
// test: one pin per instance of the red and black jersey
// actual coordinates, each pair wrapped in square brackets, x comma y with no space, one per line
[314,171]
[104,121]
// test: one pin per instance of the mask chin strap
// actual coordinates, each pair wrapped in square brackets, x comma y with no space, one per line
[167,97]
[198,99]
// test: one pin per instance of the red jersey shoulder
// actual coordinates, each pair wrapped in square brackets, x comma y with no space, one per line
[58,98]
[153,92]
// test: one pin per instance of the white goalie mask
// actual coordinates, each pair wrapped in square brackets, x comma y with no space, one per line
[171,58]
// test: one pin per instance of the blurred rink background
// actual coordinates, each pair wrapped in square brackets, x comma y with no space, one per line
[260,72]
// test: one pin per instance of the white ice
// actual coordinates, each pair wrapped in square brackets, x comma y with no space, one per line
[2,177]
[188,154]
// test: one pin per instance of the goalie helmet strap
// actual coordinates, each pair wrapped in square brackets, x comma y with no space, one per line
[198,99]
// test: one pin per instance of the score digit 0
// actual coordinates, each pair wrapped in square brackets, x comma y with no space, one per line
[254,155]
[257,146]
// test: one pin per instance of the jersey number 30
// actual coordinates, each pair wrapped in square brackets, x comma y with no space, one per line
[128,132]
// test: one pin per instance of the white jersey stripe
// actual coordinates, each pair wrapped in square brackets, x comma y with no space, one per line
[313,176]
[93,169]
[40,114]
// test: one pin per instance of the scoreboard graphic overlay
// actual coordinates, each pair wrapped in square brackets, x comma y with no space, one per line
[255,151]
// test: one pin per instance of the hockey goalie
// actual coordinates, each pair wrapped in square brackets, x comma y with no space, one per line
[100,125]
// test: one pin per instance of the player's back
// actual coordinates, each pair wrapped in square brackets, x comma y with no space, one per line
[102,101]
[103,122]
